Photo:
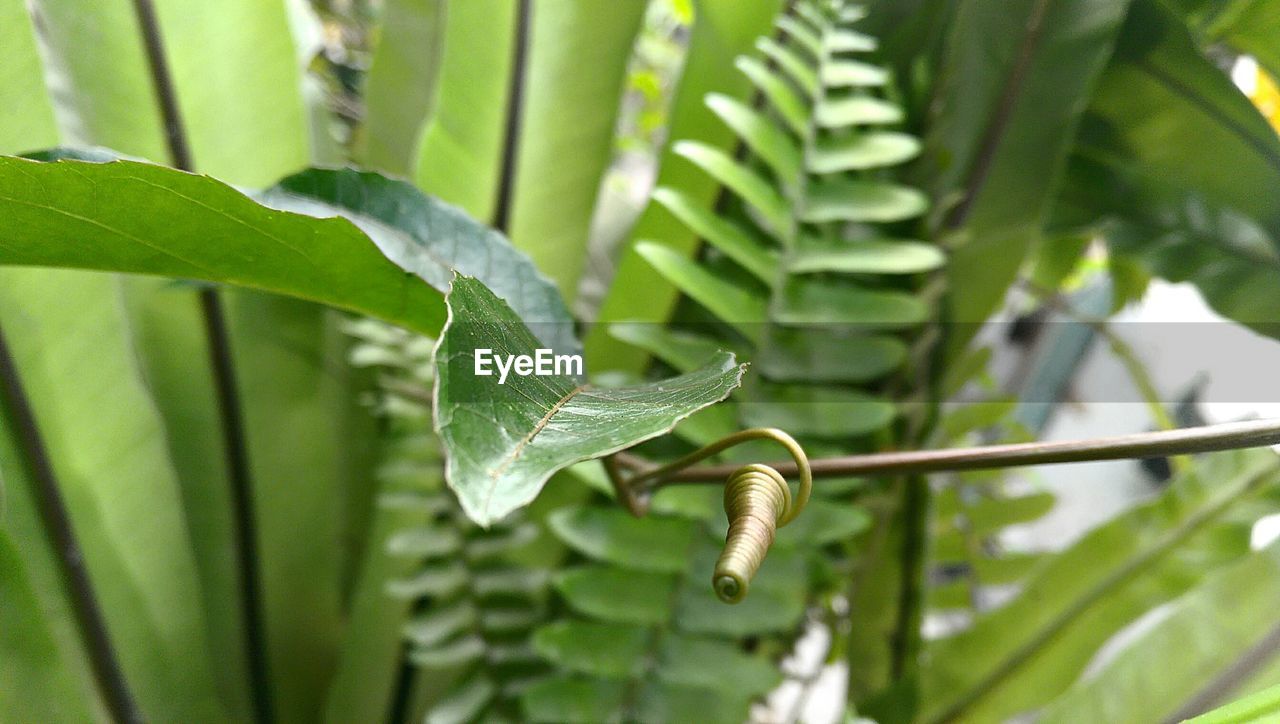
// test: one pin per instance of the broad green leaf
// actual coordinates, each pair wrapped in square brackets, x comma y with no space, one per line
[722,30]
[817,300]
[430,239]
[614,536]
[1208,630]
[736,242]
[1027,652]
[28,121]
[460,151]
[574,78]
[505,440]
[604,650]
[399,89]
[1250,26]
[615,594]
[369,662]
[123,497]
[762,136]
[838,152]
[35,682]
[745,182]
[743,308]
[74,214]
[1160,94]
[1198,216]
[1014,101]
[862,202]
[873,256]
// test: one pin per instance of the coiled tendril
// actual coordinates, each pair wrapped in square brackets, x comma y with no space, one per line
[757,501]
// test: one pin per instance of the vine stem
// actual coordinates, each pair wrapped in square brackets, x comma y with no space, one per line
[1208,438]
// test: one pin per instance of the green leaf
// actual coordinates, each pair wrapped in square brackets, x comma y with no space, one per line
[746,183]
[818,300]
[823,354]
[1027,652]
[780,94]
[570,700]
[862,202]
[682,350]
[35,682]
[852,73]
[117,481]
[614,594]
[820,411]
[430,239]
[796,67]
[75,214]
[1208,630]
[825,522]
[465,703]
[872,256]
[736,242]
[770,143]
[743,308]
[505,440]
[605,650]
[460,151]
[715,664]
[856,111]
[614,536]
[28,121]
[399,88]
[575,73]
[859,151]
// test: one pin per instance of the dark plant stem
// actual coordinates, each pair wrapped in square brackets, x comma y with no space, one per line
[1185,441]
[230,412]
[56,521]
[915,533]
[515,111]
[994,134]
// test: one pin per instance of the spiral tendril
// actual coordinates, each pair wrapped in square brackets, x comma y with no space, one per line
[757,501]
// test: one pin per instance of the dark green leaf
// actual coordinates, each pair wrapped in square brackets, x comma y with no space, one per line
[504,441]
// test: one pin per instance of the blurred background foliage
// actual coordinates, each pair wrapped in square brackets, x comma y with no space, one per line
[984,186]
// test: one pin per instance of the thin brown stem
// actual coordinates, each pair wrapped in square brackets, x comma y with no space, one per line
[1227,436]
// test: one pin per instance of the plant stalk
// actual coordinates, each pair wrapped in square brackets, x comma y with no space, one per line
[1163,443]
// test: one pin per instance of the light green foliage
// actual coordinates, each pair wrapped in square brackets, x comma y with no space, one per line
[1208,630]
[722,29]
[1197,214]
[1022,655]
[506,439]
